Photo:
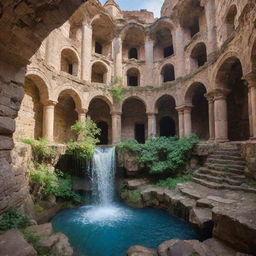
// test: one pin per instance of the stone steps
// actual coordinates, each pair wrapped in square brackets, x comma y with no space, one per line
[226,157]
[219,173]
[228,153]
[218,179]
[215,185]
[239,163]
[233,169]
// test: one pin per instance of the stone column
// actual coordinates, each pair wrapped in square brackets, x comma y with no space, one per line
[118,56]
[151,124]
[221,115]
[86,52]
[149,56]
[179,51]
[116,127]
[252,104]
[81,114]
[187,120]
[210,15]
[210,99]
[181,121]
[48,120]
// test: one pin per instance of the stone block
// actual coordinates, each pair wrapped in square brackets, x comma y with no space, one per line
[7,125]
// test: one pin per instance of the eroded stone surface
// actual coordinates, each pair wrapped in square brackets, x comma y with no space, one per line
[12,243]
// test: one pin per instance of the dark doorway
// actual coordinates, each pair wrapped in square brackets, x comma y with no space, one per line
[70,69]
[194,29]
[140,133]
[168,51]
[103,137]
[167,127]
[98,48]
[133,53]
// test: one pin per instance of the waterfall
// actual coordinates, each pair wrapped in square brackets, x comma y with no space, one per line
[103,175]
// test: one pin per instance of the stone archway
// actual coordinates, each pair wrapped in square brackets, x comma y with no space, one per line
[102,118]
[230,78]
[167,116]
[134,120]
[195,99]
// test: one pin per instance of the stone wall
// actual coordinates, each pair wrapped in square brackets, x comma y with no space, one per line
[29,120]
[24,26]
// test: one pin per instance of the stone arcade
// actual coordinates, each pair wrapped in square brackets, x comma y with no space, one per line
[193,70]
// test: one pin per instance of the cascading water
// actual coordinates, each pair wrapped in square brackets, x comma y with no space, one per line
[109,228]
[103,175]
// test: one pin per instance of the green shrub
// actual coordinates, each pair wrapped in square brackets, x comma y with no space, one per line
[42,152]
[14,219]
[160,154]
[171,183]
[51,183]
[87,133]
[117,90]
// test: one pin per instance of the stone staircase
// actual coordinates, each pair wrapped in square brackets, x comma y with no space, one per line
[224,169]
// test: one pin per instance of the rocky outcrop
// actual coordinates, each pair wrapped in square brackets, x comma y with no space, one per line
[231,212]
[12,243]
[140,251]
[129,162]
[210,247]
[56,243]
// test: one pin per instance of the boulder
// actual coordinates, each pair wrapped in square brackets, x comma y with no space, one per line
[12,243]
[136,183]
[51,242]
[140,251]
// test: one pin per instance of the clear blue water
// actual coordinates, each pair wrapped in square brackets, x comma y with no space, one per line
[111,230]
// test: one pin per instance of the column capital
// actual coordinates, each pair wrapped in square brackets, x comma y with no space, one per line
[151,114]
[49,103]
[116,113]
[184,108]
[251,79]
[209,96]
[81,111]
[219,93]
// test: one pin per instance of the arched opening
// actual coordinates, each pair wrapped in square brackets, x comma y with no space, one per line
[167,127]
[103,136]
[199,114]
[198,56]
[69,62]
[75,32]
[167,116]
[230,20]
[133,53]
[230,77]
[29,122]
[168,73]
[191,14]
[163,41]
[98,48]
[99,73]
[133,77]
[133,43]
[99,111]
[102,35]
[65,116]
[134,120]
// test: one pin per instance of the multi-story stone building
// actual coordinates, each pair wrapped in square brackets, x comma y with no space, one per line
[190,71]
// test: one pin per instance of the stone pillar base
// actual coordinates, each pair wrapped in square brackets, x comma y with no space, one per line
[221,140]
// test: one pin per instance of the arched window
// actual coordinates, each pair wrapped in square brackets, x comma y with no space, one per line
[133,77]
[69,62]
[194,28]
[198,56]
[133,53]
[99,73]
[230,20]
[168,73]
[98,48]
